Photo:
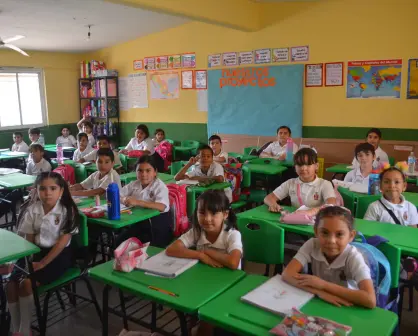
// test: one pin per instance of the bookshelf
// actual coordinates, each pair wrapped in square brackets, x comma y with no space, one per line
[99,101]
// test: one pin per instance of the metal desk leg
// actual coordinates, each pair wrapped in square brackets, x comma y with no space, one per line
[183,324]
[105,310]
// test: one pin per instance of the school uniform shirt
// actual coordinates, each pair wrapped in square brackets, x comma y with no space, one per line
[156,191]
[46,228]
[81,154]
[381,157]
[20,147]
[69,141]
[146,144]
[226,242]
[355,176]
[90,138]
[406,212]
[220,155]
[276,149]
[36,169]
[95,182]
[347,270]
[92,156]
[313,194]
[214,170]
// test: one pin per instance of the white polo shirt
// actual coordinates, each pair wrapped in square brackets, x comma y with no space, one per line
[355,176]
[276,149]
[406,212]
[226,242]
[347,270]
[156,191]
[146,144]
[46,228]
[81,154]
[20,147]
[313,194]
[95,182]
[36,169]
[220,155]
[69,141]
[92,156]
[381,157]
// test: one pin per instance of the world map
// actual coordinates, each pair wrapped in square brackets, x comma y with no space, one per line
[164,85]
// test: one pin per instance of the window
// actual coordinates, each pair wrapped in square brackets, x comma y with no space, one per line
[22,99]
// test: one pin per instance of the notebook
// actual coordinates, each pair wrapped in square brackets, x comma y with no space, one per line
[165,266]
[8,171]
[187,182]
[277,296]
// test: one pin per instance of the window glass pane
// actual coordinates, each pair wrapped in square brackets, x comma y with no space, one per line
[30,98]
[9,104]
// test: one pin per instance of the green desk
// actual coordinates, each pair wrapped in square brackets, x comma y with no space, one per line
[193,288]
[229,312]
[129,177]
[271,161]
[13,155]
[194,191]
[14,247]
[17,181]
[54,163]
[339,169]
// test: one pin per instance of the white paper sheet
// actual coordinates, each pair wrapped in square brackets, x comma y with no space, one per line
[138,90]
[202,100]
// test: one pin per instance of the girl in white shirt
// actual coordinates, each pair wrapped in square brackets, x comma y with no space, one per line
[66,139]
[48,220]
[37,164]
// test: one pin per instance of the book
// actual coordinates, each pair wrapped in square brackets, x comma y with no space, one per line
[187,182]
[165,266]
[8,171]
[277,296]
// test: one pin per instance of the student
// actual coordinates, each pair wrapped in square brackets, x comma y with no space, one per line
[19,145]
[97,182]
[102,142]
[143,143]
[340,274]
[215,143]
[84,147]
[85,126]
[37,164]
[148,192]
[277,149]
[66,139]
[392,207]
[34,134]
[207,169]
[307,189]
[159,136]
[365,156]
[49,220]
[373,137]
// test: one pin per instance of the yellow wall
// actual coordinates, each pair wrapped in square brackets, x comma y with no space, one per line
[61,73]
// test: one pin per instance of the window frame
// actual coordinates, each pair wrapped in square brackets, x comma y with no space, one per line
[42,93]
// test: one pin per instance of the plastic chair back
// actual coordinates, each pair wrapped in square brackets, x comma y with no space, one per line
[124,161]
[170,141]
[363,203]
[348,198]
[391,161]
[82,238]
[191,143]
[80,172]
[247,150]
[393,254]
[176,166]
[246,177]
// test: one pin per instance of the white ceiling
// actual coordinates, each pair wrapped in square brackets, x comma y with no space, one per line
[61,25]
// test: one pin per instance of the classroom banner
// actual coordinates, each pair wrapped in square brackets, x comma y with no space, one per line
[255,100]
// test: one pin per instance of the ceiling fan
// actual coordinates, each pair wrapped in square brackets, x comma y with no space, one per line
[5,44]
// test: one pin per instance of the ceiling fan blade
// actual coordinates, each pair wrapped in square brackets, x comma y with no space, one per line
[14,38]
[11,46]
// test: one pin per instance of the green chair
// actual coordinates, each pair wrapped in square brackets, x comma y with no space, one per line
[363,203]
[191,143]
[263,242]
[247,150]
[80,172]
[176,166]
[348,198]
[391,161]
[170,141]
[245,193]
[124,161]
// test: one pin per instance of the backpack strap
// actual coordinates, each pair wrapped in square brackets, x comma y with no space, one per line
[391,213]
[299,194]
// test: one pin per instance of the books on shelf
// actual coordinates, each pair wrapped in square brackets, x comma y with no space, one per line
[90,68]
[96,88]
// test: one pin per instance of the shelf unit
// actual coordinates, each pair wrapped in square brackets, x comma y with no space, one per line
[99,101]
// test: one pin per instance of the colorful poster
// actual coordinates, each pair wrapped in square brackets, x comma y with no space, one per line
[201,79]
[300,54]
[174,61]
[374,79]
[188,60]
[334,74]
[161,62]
[245,57]
[187,79]
[280,55]
[138,65]
[262,56]
[164,85]
[229,59]
[412,92]
[314,75]
[214,60]
[149,63]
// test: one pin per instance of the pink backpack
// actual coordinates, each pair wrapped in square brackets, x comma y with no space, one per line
[67,172]
[165,149]
[178,207]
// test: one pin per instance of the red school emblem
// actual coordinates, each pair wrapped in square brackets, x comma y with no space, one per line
[316,196]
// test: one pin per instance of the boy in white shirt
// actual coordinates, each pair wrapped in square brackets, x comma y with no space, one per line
[365,156]
[102,142]
[85,126]
[37,164]
[373,137]
[219,156]
[34,134]
[84,147]
[19,145]
[277,149]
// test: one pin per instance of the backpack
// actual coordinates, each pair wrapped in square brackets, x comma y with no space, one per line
[165,149]
[67,172]
[233,175]
[134,154]
[178,208]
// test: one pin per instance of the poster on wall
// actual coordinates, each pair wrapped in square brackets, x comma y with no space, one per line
[124,101]
[262,56]
[138,90]
[280,55]
[188,60]
[187,79]
[214,60]
[138,65]
[149,63]
[229,59]
[314,75]
[161,62]
[412,92]
[201,79]
[300,54]
[374,79]
[245,57]
[164,85]
[334,74]
[174,61]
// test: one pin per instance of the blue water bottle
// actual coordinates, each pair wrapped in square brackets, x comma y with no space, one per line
[374,183]
[113,201]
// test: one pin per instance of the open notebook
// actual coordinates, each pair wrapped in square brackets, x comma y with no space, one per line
[277,296]
[187,182]
[165,266]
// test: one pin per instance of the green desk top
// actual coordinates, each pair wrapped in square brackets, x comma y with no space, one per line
[271,161]
[214,186]
[229,312]
[195,287]
[13,155]
[16,181]
[339,169]
[14,247]
[266,169]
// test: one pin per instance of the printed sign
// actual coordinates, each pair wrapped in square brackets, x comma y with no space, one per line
[229,59]
[245,57]
[300,54]
[280,55]
[214,60]
[262,56]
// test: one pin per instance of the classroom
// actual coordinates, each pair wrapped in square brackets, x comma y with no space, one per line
[263,148]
